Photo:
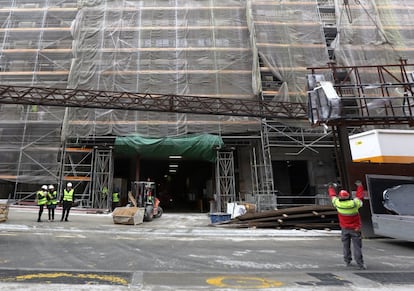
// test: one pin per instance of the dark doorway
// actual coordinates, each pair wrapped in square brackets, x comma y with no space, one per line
[291,178]
[182,185]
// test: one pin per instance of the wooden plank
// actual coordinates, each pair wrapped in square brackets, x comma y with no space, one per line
[71,150]
[132,199]
[77,178]
[313,217]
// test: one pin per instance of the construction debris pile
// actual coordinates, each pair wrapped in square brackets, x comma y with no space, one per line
[129,215]
[303,217]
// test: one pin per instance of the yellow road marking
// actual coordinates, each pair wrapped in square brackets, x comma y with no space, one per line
[243,282]
[107,278]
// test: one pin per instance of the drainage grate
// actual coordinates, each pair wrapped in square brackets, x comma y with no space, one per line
[325,279]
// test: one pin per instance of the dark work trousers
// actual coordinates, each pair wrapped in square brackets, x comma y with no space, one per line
[348,235]
[40,212]
[114,205]
[66,208]
[51,211]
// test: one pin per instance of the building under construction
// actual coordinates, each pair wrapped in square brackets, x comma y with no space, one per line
[228,49]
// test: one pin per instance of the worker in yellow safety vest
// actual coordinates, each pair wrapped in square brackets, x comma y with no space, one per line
[115,199]
[41,201]
[51,202]
[349,221]
[67,200]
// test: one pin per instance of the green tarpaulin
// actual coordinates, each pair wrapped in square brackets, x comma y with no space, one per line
[194,147]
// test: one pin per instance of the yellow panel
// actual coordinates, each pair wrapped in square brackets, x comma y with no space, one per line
[388,159]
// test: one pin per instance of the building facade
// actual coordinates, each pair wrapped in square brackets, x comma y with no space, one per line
[214,49]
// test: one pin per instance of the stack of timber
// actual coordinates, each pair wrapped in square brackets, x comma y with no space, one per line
[4,211]
[303,217]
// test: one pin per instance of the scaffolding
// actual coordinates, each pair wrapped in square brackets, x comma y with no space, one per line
[225,179]
[266,196]
[227,49]
[103,179]
[77,168]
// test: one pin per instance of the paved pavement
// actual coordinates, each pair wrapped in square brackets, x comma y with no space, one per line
[196,225]
[24,218]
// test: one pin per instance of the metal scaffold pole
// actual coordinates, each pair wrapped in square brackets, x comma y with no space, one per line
[266,198]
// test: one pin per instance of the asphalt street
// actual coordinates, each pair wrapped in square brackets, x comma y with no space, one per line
[181,251]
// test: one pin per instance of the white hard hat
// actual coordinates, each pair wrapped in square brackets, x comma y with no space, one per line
[44,187]
[69,184]
[51,187]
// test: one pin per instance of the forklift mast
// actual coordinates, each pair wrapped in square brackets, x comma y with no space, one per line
[144,192]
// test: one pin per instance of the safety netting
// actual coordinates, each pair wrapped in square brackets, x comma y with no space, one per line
[207,48]
[196,47]
[374,32]
[204,48]
[289,38]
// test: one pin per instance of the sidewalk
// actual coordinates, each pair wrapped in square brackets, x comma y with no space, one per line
[24,218]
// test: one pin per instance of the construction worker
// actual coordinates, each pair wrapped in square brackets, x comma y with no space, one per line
[115,199]
[41,200]
[349,221]
[51,202]
[67,200]
[149,187]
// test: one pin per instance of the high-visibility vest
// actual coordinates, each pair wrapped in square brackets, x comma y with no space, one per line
[52,198]
[41,198]
[115,197]
[348,212]
[347,207]
[68,195]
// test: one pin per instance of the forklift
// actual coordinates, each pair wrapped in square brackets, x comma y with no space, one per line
[145,195]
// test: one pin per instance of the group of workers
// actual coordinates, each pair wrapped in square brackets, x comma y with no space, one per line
[47,196]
